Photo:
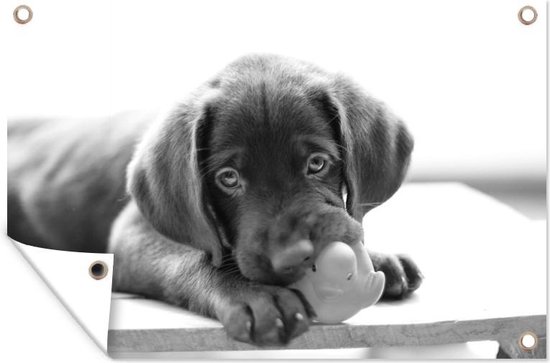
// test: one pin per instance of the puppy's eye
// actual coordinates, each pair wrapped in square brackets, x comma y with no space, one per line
[316,163]
[228,178]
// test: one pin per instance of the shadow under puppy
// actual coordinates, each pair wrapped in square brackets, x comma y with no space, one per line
[237,189]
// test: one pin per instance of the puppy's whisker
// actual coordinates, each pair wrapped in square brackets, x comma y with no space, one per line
[205,171]
[373,204]
[230,268]
[227,257]
[335,117]
[342,147]
[228,263]
[203,149]
[233,273]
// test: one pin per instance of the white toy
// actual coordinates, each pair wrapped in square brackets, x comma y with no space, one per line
[341,283]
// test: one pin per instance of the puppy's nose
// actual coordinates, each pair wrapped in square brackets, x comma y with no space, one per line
[292,256]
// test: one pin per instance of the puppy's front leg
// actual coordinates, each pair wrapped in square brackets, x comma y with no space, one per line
[149,264]
[402,274]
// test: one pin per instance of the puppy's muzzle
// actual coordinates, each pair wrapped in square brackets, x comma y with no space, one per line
[293,257]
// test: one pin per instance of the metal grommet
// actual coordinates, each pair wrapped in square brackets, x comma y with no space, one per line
[22,14]
[98,270]
[523,15]
[528,341]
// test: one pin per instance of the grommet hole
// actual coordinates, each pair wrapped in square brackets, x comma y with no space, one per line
[527,15]
[528,341]
[98,270]
[22,14]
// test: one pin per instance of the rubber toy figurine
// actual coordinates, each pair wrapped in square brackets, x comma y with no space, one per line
[341,282]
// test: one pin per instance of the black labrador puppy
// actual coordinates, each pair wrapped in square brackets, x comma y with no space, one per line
[232,193]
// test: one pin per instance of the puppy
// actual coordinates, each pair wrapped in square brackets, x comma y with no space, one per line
[232,193]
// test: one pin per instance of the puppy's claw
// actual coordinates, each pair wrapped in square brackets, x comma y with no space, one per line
[309,309]
[272,316]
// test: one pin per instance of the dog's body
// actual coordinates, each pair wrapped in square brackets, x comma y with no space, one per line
[232,193]
[67,179]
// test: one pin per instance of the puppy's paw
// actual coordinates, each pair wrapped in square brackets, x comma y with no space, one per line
[267,315]
[402,274]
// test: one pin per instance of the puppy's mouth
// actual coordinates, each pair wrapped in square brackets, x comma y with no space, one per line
[261,271]
[287,279]
[286,250]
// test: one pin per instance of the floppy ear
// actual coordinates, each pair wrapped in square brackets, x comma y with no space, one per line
[376,144]
[164,180]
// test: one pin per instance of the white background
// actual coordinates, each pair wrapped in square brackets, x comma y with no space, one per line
[466,76]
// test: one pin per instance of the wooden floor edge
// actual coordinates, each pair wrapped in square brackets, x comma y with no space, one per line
[332,336]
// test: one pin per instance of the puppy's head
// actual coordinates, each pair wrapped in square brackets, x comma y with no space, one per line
[256,166]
